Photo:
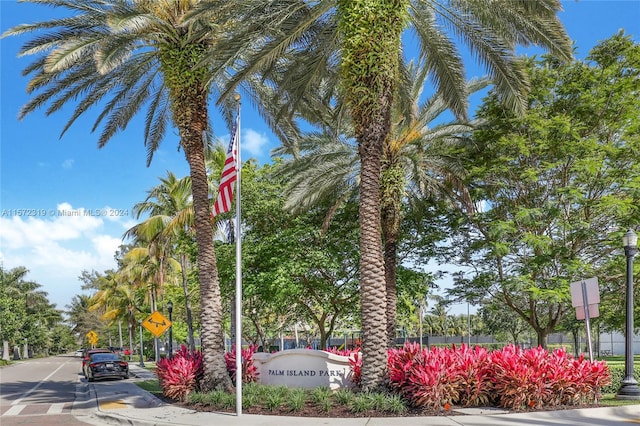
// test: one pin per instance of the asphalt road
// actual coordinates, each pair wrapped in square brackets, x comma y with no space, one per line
[45,392]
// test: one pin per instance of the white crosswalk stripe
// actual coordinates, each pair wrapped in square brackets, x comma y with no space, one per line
[37,409]
[14,410]
[56,408]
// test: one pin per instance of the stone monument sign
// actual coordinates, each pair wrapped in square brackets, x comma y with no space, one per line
[303,368]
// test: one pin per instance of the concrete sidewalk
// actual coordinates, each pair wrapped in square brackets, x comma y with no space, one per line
[157,413]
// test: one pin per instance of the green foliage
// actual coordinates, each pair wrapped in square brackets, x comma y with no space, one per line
[320,394]
[370,51]
[559,185]
[292,400]
[617,371]
[292,270]
[27,315]
[296,399]
[344,396]
[274,401]
[180,67]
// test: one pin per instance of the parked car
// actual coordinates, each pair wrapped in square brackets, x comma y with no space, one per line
[104,365]
[79,353]
[87,354]
[115,349]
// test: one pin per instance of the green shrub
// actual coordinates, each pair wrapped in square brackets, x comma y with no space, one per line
[344,396]
[617,375]
[196,398]
[320,395]
[296,399]
[395,405]
[361,403]
[274,401]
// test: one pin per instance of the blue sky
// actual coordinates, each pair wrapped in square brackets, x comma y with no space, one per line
[64,203]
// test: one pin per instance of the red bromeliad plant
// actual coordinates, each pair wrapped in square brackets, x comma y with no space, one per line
[355,361]
[180,374]
[424,377]
[511,378]
[516,377]
[473,367]
[249,370]
[536,378]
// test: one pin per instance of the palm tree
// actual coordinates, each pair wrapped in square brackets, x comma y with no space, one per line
[122,56]
[304,46]
[25,311]
[171,217]
[117,298]
[81,318]
[415,163]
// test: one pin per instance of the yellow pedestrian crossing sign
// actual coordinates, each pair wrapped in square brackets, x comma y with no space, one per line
[156,323]
[92,337]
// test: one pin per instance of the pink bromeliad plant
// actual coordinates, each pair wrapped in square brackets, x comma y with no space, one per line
[511,377]
[424,377]
[180,374]
[249,370]
[538,378]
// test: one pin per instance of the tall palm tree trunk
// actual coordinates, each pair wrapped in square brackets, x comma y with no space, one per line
[390,238]
[187,302]
[371,48]
[391,188]
[192,123]
[373,298]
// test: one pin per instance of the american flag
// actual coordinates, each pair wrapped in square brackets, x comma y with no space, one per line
[229,176]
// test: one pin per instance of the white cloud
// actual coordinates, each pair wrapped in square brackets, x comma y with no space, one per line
[57,245]
[253,143]
[106,246]
[68,163]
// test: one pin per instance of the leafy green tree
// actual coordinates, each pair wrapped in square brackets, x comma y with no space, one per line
[414,286]
[12,302]
[81,318]
[559,184]
[118,300]
[121,57]
[502,324]
[293,272]
[26,315]
[301,47]
[62,339]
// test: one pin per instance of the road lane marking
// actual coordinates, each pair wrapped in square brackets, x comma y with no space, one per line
[14,410]
[30,391]
[56,408]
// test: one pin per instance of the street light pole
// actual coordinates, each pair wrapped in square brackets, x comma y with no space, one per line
[629,388]
[141,364]
[170,308]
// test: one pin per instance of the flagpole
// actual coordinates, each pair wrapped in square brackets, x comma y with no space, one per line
[238,272]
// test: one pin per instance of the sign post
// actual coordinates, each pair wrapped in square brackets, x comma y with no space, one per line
[156,323]
[585,297]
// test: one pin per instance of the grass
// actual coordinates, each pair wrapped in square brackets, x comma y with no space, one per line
[609,400]
[152,386]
